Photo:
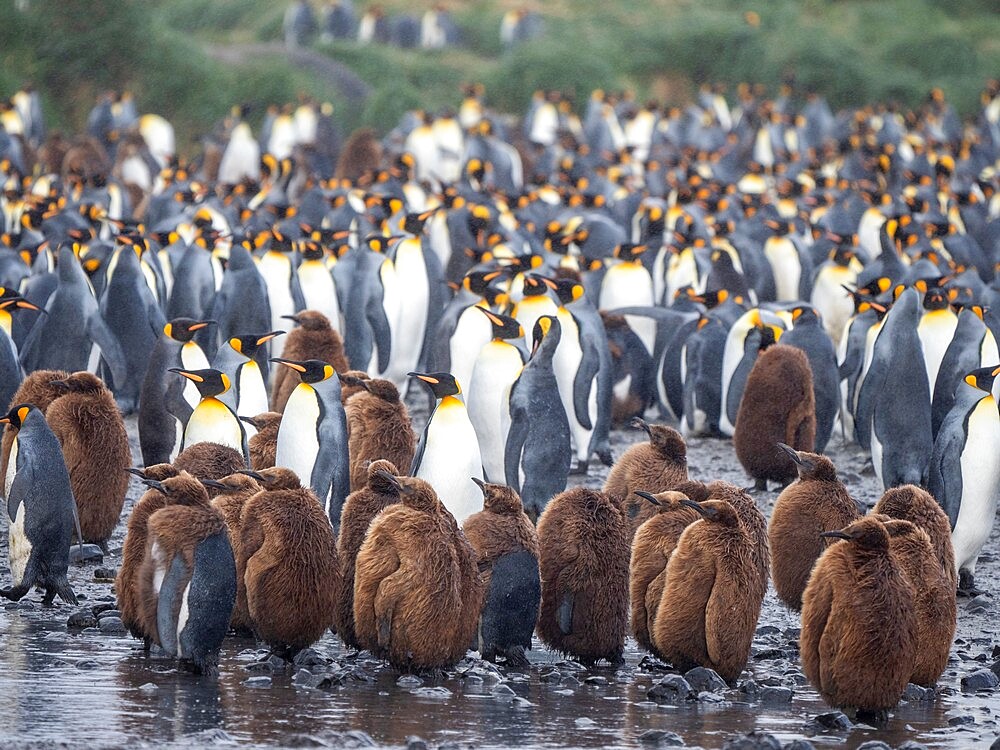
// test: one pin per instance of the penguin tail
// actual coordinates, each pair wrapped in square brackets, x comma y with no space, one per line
[65,591]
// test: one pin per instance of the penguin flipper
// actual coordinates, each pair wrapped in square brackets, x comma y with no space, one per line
[418,455]
[210,601]
[945,471]
[565,614]
[381,332]
[111,351]
[168,604]
[516,437]
[583,382]
[331,471]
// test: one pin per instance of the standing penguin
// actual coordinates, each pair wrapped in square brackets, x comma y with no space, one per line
[848,653]
[964,474]
[283,292]
[712,596]
[166,403]
[241,303]
[777,406]
[807,334]
[36,389]
[817,501]
[628,284]
[314,338]
[213,420]
[244,361]
[290,551]
[934,599]
[312,438]
[654,466]
[187,582]
[209,461]
[264,445]
[319,292]
[448,451]
[652,546]
[495,370]
[538,454]
[92,434]
[583,559]
[507,550]
[918,506]
[40,510]
[360,509]
[379,427]
[417,593]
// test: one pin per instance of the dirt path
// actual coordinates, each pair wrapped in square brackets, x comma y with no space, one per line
[316,64]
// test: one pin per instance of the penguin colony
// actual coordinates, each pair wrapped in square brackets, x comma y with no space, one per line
[762,270]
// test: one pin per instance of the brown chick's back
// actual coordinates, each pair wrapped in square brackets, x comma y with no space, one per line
[264,444]
[312,338]
[911,503]
[379,427]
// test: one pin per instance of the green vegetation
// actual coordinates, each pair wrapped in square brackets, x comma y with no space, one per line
[168,53]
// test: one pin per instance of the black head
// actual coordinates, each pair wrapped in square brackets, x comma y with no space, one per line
[248,344]
[536,285]
[184,329]
[983,378]
[568,290]
[547,331]
[17,415]
[504,326]
[310,370]
[441,383]
[208,382]
[414,223]
[478,282]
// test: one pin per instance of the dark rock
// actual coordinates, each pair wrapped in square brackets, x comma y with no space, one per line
[86,553]
[416,743]
[996,744]
[800,745]
[706,697]
[704,679]
[596,680]
[769,653]
[409,681]
[835,720]
[660,738]
[753,741]
[978,604]
[749,688]
[503,691]
[981,679]
[213,736]
[874,745]
[912,745]
[112,626]
[768,630]
[87,664]
[776,695]
[570,680]
[958,721]
[437,692]
[305,678]
[109,613]
[995,668]
[82,619]
[519,702]
[261,681]
[309,657]
[105,574]
[915,693]
[552,677]
[97,609]
[672,689]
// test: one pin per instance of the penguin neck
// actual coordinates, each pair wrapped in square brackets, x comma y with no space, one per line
[450,402]
[6,322]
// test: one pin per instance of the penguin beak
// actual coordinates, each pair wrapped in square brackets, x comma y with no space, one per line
[188,375]
[648,496]
[268,336]
[252,475]
[480,483]
[249,421]
[201,324]
[706,512]
[288,363]
[138,472]
[214,484]
[640,423]
[792,453]
[153,484]
[293,318]
[390,479]
[835,535]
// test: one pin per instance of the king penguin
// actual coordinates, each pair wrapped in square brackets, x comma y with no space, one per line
[497,367]
[628,283]
[239,358]
[808,335]
[214,419]
[936,329]
[283,292]
[538,454]
[40,509]
[312,436]
[964,474]
[448,452]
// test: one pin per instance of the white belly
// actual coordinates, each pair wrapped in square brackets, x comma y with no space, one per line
[835,305]
[411,318]
[20,546]
[877,457]
[785,266]
[471,334]
[451,458]
[213,422]
[529,310]
[192,358]
[936,330]
[276,269]
[565,364]
[252,391]
[980,484]
[496,369]
[868,231]
[182,617]
[11,467]
[319,291]
[298,440]
[630,285]
[682,270]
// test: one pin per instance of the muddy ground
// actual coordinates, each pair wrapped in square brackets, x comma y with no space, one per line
[93,686]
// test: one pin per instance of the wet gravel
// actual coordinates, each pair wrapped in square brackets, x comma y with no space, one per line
[71,676]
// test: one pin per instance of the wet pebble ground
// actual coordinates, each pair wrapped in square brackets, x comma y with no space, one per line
[72,677]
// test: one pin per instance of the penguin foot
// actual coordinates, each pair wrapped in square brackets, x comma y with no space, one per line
[579,470]
[14,593]
[605,457]
[616,660]
[875,718]
[967,585]
[516,660]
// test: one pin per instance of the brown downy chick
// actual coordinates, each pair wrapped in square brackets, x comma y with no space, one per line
[134,548]
[710,605]
[35,389]
[657,465]
[90,430]
[351,382]
[417,592]
[360,508]
[264,444]
[934,599]
[231,494]
[506,546]
[583,543]
[209,461]
[312,338]
[816,502]
[859,625]
[379,427]
[753,521]
[778,406]
[291,570]
[187,581]
[652,546]
[910,503]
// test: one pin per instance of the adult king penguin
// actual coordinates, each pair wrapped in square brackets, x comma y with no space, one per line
[213,420]
[239,358]
[312,436]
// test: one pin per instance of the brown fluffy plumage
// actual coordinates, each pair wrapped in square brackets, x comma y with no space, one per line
[859,626]
[134,549]
[583,543]
[910,503]
[934,598]
[814,503]
[361,154]
[35,389]
[379,427]
[777,407]
[652,546]
[312,338]
[351,382]
[209,461]
[501,527]
[264,444]
[90,430]
[229,501]
[709,608]
[753,522]
[360,508]
[417,592]
[638,510]
[291,573]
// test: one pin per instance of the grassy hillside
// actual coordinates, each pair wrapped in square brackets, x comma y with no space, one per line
[854,51]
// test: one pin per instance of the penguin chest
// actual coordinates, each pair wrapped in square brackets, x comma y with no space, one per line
[276,268]
[936,330]
[451,456]
[829,297]
[192,358]
[785,265]
[298,434]
[19,544]
[251,393]
[318,290]
[496,369]
[529,310]
[471,334]
[682,270]
[213,422]
[8,480]
[980,467]
[630,285]
[414,293]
